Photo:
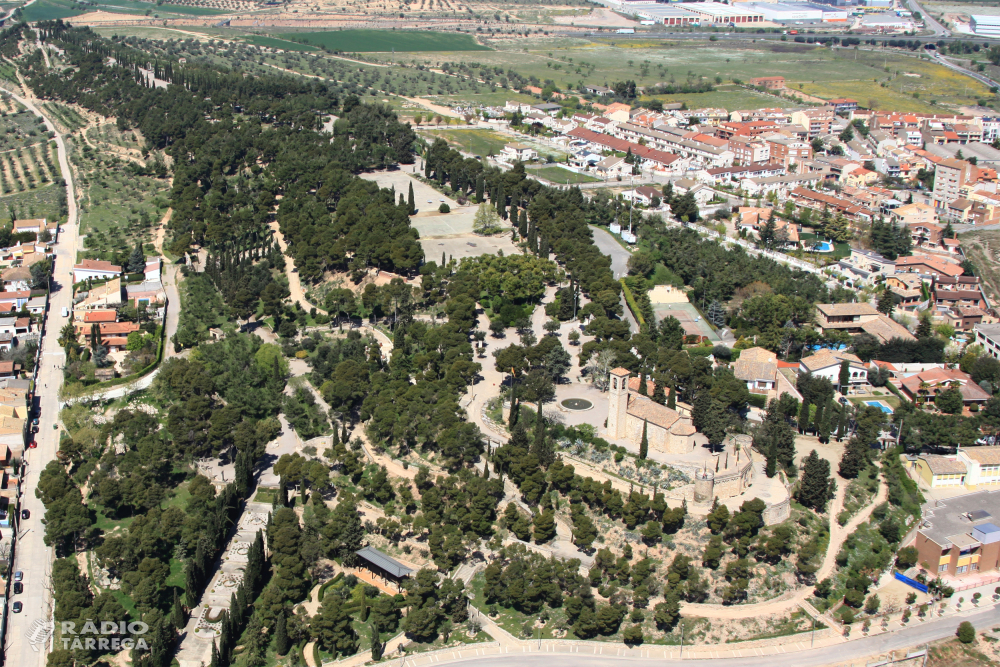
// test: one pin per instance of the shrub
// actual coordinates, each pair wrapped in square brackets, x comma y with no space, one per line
[444,208]
[966,632]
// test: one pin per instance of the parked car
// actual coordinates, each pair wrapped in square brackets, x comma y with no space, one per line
[18,576]
[32,444]
[17,607]
[25,514]
[18,587]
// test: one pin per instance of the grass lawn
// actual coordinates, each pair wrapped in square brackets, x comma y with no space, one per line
[42,202]
[477,142]
[360,41]
[48,10]
[106,524]
[560,175]
[888,398]
[839,249]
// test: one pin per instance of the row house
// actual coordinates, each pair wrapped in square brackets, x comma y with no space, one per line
[818,201]
[861,177]
[779,185]
[858,151]
[958,291]
[710,115]
[880,141]
[908,288]
[651,157]
[725,175]
[753,128]
[773,114]
[925,264]
[700,148]
[937,132]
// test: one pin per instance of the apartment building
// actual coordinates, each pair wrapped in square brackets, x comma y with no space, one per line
[768,82]
[988,335]
[788,150]
[950,176]
[747,150]
[818,120]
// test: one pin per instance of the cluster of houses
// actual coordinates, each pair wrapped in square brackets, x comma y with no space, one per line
[102,292]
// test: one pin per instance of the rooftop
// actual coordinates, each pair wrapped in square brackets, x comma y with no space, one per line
[946,519]
[384,562]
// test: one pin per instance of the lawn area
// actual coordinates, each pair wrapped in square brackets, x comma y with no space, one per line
[477,142]
[560,175]
[885,396]
[47,201]
[387,40]
[840,249]
[728,97]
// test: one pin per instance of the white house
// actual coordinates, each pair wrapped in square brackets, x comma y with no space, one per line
[643,194]
[96,269]
[612,167]
[35,225]
[517,152]
[826,363]
[152,270]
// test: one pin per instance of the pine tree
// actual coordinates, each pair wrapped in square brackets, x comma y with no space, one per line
[281,641]
[855,458]
[545,526]
[924,328]
[644,443]
[411,201]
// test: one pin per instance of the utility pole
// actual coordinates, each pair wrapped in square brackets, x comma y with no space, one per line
[682,639]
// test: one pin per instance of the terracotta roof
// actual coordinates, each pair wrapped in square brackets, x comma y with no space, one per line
[633,385]
[683,429]
[17,273]
[941,465]
[97,265]
[983,455]
[842,309]
[885,329]
[100,316]
[115,340]
[933,263]
[620,371]
[654,413]
[756,363]
[827,358]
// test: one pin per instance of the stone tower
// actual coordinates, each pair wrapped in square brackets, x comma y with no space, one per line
[704,486]
[617,402]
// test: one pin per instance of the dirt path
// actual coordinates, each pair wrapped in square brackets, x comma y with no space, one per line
[294,284]
[792,599]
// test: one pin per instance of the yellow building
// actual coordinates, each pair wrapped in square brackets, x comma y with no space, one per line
[941,471]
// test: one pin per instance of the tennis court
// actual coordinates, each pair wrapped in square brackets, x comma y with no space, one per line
[688,316]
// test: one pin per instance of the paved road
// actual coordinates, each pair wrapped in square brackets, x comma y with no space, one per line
[929,21]
[961,70]
[619,265]
[31,556]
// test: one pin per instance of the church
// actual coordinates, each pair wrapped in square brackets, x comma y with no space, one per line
[666,430]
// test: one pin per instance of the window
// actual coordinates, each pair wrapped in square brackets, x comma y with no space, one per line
[962,569]
[942,567]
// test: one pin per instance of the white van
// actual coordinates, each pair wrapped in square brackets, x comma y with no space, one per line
[65,311]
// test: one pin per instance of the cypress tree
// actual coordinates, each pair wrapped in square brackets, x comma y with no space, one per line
[818,417]
[215,655]
[177,614]
[336,437]
[803,420]
[672,398]
[192,583]
[658,394]
[644,443]
[411,201]
[842,425]
[826,423]
[512,417]
[282,492]
[479,188]
[377,647]
[522,223]
[344,436]
[501,202]
[542,449]
[281,641]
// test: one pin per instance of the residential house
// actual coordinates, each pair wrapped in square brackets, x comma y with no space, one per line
[843,104]
[909,288]
[818,120]
[108,295]
[152,270]
[868,265]
[927,264]
[35,226]
[827,363]
[758,367]
[916,213]
[517,153]
[612,167]
[17,278]
[88,317]
[963,318]
[768,82]
[856,318]
[600,91]
[752,219]
[861,177]
[726,175]
[818,201]
[8,369]
[17,299]
[924,386]
[644,194]
[780,185]
[95,269]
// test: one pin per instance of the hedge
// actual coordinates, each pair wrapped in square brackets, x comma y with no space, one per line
[632,305]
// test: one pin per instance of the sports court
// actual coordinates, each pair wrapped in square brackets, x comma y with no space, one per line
[688,316]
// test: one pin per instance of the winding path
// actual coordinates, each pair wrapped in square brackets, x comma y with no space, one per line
[793,598]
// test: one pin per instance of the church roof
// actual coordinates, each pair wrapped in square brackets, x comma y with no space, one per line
[619,371]
[641,407]
[683,429]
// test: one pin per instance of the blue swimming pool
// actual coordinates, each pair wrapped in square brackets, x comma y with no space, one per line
[884,407]
[823,246]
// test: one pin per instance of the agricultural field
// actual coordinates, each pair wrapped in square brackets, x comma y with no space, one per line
[363,41]
[48,10]
[124,196]
[28,164]
[68,118]
[276,43]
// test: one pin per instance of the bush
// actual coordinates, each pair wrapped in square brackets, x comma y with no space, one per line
[444,208]
[906,558]
[966,632]
[632,636]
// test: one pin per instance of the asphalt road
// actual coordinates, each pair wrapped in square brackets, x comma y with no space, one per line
[31,556]
[929,21]
[619,265]
[858,649]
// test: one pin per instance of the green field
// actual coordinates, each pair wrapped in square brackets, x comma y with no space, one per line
[275,43]
[560,175]
[477,142]
[49,10]
[360,41]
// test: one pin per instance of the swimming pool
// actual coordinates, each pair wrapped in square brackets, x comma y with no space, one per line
[823,246]
[882,405]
